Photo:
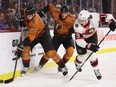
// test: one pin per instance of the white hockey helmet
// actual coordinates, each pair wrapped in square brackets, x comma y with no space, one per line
[84,15]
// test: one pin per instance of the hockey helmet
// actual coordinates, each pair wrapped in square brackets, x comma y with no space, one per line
[84,15]
[30,10]
[64,9]
[58,5]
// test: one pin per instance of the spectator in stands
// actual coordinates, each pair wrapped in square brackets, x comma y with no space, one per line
[9,18]
[5,4]
[16,15]
[0,5]
[2,24]
[15,7]
[105,6]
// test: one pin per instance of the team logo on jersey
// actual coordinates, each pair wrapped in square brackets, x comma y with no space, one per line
[76,25]
[33,29]
[79,51]
[91,30]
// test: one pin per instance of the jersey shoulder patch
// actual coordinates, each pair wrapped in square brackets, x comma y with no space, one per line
[76,25]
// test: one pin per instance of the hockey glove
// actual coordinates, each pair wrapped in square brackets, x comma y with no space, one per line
[112,25]
[19,51]
[92,47]
[21,47]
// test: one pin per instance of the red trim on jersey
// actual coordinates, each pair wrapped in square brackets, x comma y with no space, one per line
[87,25]
[76,32]
[102,15]
[90,36]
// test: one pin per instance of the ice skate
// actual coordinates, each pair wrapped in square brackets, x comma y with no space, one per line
[77,66]
[98,74]
[63,70]
[59,69]
[37,69]
[24,71]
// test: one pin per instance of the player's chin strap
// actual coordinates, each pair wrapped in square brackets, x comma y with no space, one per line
[88,56]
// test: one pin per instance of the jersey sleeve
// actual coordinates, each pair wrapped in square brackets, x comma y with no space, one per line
[54,11]
[43,11]
[71,20]
[106,17]
[78,35]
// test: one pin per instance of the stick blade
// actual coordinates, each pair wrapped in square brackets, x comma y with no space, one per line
[1,81]
[8,81]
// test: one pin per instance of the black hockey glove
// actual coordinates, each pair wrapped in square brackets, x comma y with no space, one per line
[21,47]
[112,25]
[19,51]
[92,47]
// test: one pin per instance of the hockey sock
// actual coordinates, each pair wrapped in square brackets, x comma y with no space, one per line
[94,63]
[26,63]
[43,61]
[65,60]
[78,61]
[61,64]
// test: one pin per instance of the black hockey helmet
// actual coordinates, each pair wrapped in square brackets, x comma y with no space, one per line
[30,10]
[64,9]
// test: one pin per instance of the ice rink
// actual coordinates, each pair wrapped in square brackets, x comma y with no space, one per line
[49,76]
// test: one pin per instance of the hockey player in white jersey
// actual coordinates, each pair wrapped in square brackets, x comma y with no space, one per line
[86,40]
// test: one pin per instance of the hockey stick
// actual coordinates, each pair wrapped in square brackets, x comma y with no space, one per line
[16,58]
[89,56]
[11,79]
[1,81]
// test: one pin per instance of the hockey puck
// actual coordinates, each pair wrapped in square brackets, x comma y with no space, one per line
[1,81]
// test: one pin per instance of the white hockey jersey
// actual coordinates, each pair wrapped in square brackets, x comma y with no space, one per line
[85,32]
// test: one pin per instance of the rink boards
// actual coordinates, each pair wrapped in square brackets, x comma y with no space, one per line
[10,40]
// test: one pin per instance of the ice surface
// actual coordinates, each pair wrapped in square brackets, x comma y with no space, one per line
[49,77]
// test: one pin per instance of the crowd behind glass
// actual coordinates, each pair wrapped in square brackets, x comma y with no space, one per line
[10,9]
